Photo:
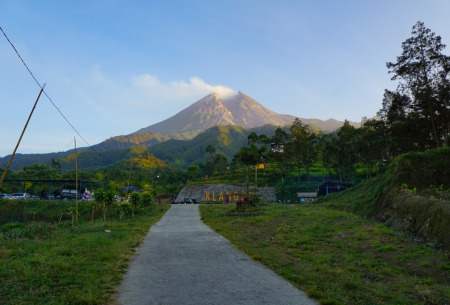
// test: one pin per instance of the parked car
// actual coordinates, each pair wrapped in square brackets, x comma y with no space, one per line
[70,193]
[190,200]
[20,196]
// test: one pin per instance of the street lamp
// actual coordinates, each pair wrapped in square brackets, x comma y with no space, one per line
[157,176]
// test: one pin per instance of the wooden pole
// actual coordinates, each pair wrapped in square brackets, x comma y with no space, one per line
[76,180]
[129,178]
[20,139]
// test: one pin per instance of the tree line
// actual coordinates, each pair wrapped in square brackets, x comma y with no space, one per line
[414,117]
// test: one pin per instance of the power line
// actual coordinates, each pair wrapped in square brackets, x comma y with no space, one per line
[37,82]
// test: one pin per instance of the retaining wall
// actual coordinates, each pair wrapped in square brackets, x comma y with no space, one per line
[219,192]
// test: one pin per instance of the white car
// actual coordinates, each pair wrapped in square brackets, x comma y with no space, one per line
[7,196]
[20,196]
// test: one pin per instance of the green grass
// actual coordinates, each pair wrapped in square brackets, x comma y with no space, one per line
[336,257]
[55,263]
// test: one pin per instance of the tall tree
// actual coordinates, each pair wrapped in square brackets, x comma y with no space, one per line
[298,146]
[424,70]
[346,151]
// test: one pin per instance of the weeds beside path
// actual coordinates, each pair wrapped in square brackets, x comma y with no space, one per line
[51,263]
[336,257]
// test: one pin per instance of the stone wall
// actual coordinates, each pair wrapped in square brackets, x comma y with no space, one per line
[219,192]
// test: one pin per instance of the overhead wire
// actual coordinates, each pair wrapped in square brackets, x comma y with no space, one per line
[45,93]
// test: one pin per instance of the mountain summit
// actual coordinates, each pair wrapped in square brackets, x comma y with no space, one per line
[212,110]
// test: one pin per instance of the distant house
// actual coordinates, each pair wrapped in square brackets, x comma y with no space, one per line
[304,197]
[329,187]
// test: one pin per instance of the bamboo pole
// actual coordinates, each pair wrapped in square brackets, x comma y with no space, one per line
[20,139]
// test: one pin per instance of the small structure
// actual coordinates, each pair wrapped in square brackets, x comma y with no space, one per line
[304,197]
[329,187]
[130,188]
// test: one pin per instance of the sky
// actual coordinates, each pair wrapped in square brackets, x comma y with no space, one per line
[112,67]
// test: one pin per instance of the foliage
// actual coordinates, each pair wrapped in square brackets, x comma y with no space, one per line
[124,207]
[425,82]
[134,199]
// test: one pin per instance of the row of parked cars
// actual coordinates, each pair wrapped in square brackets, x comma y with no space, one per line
[17,196]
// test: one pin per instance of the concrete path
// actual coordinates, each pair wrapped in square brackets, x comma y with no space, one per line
[182,261]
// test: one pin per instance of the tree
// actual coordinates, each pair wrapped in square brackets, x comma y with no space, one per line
[134,200]
[405,129]
[298,146]
[371,144]
[104,199]
[220,163]
[345,151]
[193,171]
[210,149]
[279,140]
[424,70]
[124,206]
[109,200]
[252,138]
[100,197]
[248,156]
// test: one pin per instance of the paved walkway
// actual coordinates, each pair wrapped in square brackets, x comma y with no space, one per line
[182,261]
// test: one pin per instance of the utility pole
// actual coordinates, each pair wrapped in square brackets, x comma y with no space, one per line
[129,179]
[76,180]
[20,139]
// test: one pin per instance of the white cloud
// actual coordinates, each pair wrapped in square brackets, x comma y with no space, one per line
[118,105]
[194,89]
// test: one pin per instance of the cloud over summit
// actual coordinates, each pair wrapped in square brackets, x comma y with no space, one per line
[196,88]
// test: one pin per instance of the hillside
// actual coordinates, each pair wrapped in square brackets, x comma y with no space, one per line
[140,139]
[413,196]
[88,159]
[225,139]
[178,153]
[21,160]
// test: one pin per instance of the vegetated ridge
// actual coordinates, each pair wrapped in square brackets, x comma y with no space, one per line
[412,196]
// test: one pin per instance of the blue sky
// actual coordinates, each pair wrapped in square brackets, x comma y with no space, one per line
[113,67]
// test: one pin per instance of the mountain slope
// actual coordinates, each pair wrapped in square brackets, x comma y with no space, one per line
[240,110]
[249,113]
[225,139]
[121,142]
[205,113]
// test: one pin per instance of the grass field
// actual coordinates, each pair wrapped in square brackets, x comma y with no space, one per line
[44,262]
[336,257]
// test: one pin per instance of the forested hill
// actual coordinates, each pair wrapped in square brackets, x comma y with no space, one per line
[178,153]
[138,139]
[112,146]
